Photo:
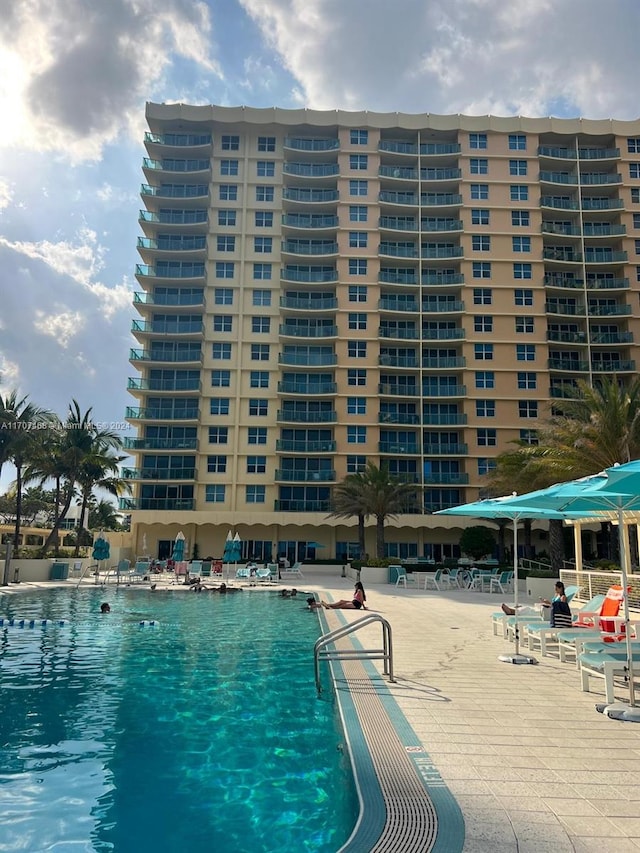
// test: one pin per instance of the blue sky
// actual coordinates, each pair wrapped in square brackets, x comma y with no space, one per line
[75,75]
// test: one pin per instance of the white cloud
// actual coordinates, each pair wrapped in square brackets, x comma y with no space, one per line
[6,193]
[61,327]
[9,372]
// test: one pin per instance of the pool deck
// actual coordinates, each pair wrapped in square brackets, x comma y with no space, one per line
[532,765]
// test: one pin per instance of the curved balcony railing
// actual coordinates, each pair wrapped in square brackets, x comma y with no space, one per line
[392,389]
[323,506]
[608,310]
[395,250]
[291,446]
[309,220]
[173,504]
[442,278]
[176,191]
[311,170]
[157,327]
[307,195]
[407,361]
[324,304]
[187,414]
[592,230]
[559,203]
[558,178]
[429,250]
[174,244]
[179,299]
[440,199]
[440,174]
[136,384]
[606,283]
[286,387]
[445,449]
[160,443]
[599,178]
[622,366]
[388,303]
[437,419]
[564,229]
[308,359]
[165,356]
[442,334]
[305,247]
[457,479]
[557,153]
[309,417]
[287,476]
[398,418]
[199,165]
[397,276]
[444,390]
[573,366]
[576,309]
[308,331]
[159,473]
[399,448]
[609,338]
[303,144]
[602,203]
[447,363]
[179,140]
[175,217]
[178,270]
[310,275]
[398,333]
[442,306]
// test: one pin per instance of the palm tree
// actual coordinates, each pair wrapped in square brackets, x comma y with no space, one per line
[103,515]
[20,424]
[99,470]
[373,492]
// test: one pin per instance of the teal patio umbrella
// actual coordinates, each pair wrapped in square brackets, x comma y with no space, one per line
[232,549]
[101,548]
[509,508]
[178,548]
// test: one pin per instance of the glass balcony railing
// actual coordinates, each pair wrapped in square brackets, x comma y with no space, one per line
[388,303]
[160,443]
[445,449]
[305,247]
[398,418]
[398,333]
[442,306]
[171,271]
[622,366]
[175,217]
[602,204]
[165,355]
[398,276]
[563,281]
[286,387]
[594,256]
[610,338]
[571,365]
[174,244]
[311,170]
[309,220]
[186,414]
[159,473]
[607,283]
[311,196]
[407,361]
[558,178]
[176,191]
[598,153]
[440,174]
[400,172]
[200,165]
[442,334]
[442,278]
[440,199]
[308,359]
[573,309]
[187,299]
[599,178]
[178,139]
[451,479]
[450,363]
[302,506]
[564,229]
[440,148]
[328,331]
[559,203]
[444,391]
[443,419]
[301,143]
[399,448]
[157,327]
[137,384]
[307,417]
[287,476]
[398,251]
[593,230]
[323,304]
[398,223]
[557,152]
[609,310]
[392,389]
[172,504]
[309,275]
[300,446]
[429,250]
[567,337]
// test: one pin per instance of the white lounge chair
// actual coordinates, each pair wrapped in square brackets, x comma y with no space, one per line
[294,571]
[438,579]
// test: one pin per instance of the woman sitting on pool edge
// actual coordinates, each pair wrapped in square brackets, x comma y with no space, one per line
[356,603]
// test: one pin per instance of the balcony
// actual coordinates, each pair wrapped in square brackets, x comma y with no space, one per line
[551,253]
[401,334]
[398,172]
[559,203]
[167,328]
[444,363]
[444,390]
[307,247]
[175,217]
[160,443]
[440,174]
[398,223]
[178,140]
[439,148]
[398,418]
[179,191]
[567,337]
[173,244]
[591,230]
[302,331]
[595,256]
[395,390]
[291,446]
[405,361]
[557,153]
[433,250]
[177,270]
[172,504]
[398,197]
[187,414]
[453,479]
[446,450]
[187,299]
[301,143]
[566,391]
[325,304]
[602,204]
[608,310]
[159,473]
[310,275]
[568,309]
[434,278]
[598,153]
[287,476]
[399,448]
[302,506]
[558,178]
[391,303]
[606,283]
[309,220]
[311,170]
[440,199]
[444,419]
[397,276]
[565,229]
[308,417]
[442,334]
[572,366]
[397,147]
[442,306]
[564,281]
[609,338]
[599,178]
[308,359]
[136,384]
[431,225]
[308,196]
[169,165]
[165,356]
[622,366]
[399,250]
[286,387]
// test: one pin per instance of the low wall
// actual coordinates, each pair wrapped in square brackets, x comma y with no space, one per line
[540,588]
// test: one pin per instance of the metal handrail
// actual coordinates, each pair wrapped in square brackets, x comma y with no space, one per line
[385,653]
[84,572]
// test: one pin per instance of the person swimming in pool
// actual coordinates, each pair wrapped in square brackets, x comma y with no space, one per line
[105,607]
[312,604]
[356,603]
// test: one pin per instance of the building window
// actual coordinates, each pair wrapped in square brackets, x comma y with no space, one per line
[219,406]
[529,436]
[525,352]
[517,167]
[226,243]
[523,296]
[517,142]
[266,168]
[259,379]
[358,187]
[357,213]
[485,379]
[481,243]
[634,170]
[478,140]
[357,293]
[226,217]
[258,408]
[221,351]
[256,464]
[261,297]
[522,271]
[224,269]
[214,493]
[216,464]
[486,466]
[527,408]
[262,272]
[356,406]
[259,352]
[480,191]
[257,435]
[357,349]
[487,437]
[524,325]
[356,435]
[357,266]
[255,494]
[635,195]
[261,325]
[228,167]
[265,193]
[485,408]
[262,245]
[222,323]
[220,378]
[520,217]
[527,381]
[358,239]
[228,192]
[267,144]
[223,296]
[482,296]
[218,435]
[358,161]
[359,137]
[519,192]
[483,323]
[264,219]
[521,244]
[479,216]
[357,321]
[479,166]
[481,269]
[356,464]
[356,376]
[483,352]
[636,220]
[230,143]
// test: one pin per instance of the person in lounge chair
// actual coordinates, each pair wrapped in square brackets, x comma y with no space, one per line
[356,603]
[560,610]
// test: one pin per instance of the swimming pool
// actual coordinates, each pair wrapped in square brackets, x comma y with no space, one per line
[201,733]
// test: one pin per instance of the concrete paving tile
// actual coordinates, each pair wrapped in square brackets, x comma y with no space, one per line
[523,804]
[599,845]
[617,808]
[574,806]
[630,826]
[592,827]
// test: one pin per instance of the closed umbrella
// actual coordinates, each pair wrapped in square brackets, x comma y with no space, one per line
[178,548]
[232,549]
[101,548]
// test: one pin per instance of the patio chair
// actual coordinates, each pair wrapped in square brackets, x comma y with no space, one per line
[458,577]
[206,569]
[263,574]
[217,570]
[402,578]
[243,573]
[605,665]
[274,571]
[501,583]
[195,568]
[438,579]
[294,571]
[181,570]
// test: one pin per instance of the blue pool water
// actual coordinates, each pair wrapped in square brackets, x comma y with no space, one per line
[202,733]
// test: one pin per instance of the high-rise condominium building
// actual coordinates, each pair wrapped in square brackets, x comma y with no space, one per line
[319,289]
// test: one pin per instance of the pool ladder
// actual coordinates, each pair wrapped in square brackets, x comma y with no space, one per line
[321,652]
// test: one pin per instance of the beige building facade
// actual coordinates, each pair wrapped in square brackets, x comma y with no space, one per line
[322,288]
